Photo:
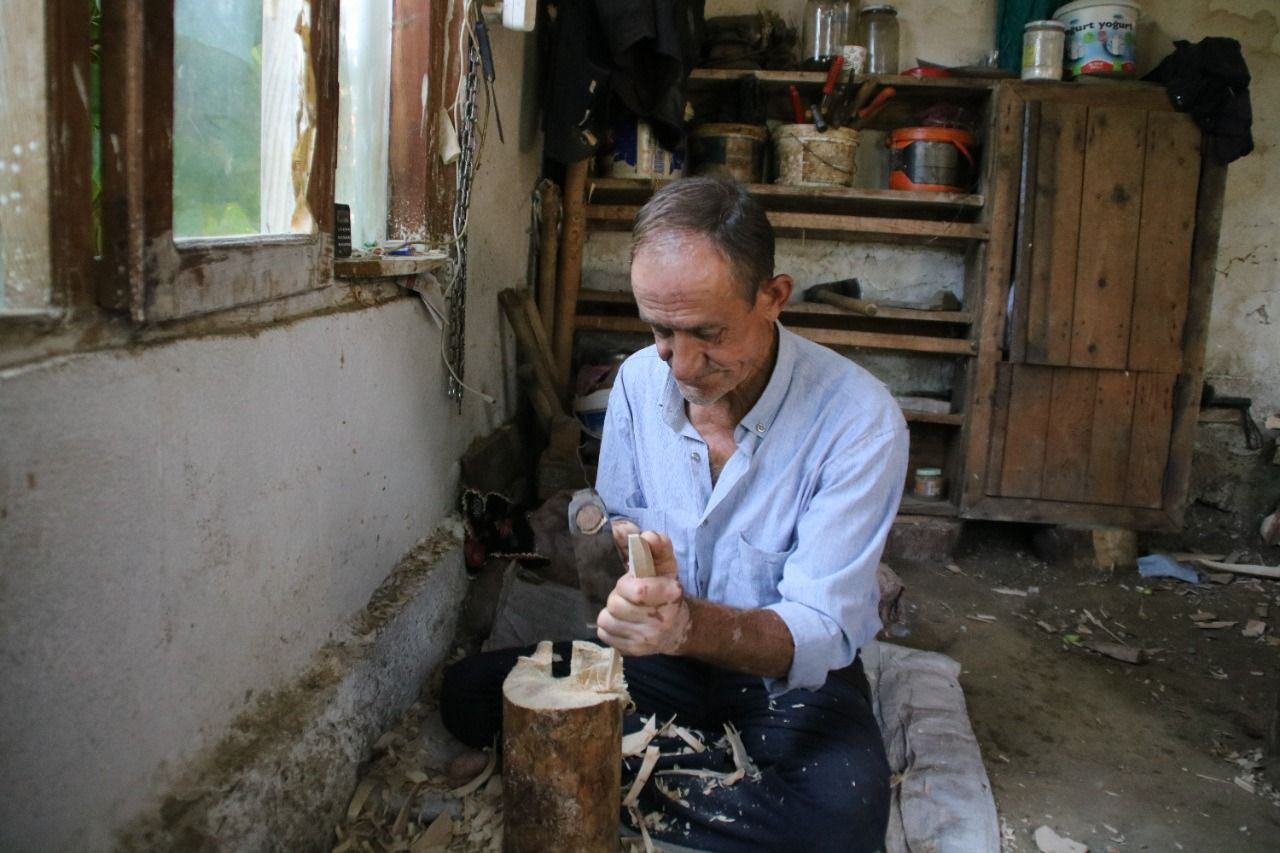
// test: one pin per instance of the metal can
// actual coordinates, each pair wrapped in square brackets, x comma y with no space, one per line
[928,483]
[1042,43]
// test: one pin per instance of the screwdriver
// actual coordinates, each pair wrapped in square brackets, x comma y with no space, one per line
[829,88]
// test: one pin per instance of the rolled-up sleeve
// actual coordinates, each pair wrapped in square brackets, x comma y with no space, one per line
[829,593]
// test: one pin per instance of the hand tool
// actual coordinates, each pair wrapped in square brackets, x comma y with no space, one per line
[595,553]
[486,63]
[841,294]
[797,106]
[829,87]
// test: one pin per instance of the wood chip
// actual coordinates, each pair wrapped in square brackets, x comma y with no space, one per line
[1049,841]
[640,556]
[358,799]
[980,617]
[1202,616]
[741,759]
[635,743]
[695,743]
[1125,654]
[646,769]
[1254,628]
[1004,590]
[1214,626]
[954,569]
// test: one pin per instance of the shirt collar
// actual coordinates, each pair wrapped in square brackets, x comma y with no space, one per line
[760,418]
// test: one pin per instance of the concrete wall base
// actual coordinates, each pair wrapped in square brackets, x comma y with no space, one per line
[281,778]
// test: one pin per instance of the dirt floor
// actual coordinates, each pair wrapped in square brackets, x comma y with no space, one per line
[1157,756]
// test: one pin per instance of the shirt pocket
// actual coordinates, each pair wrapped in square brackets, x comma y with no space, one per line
[755,577]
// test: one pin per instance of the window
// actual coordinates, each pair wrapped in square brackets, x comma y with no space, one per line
[364,104]
[201,175]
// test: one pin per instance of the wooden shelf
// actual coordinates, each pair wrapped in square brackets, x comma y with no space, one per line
[824,226]
[912,505]
[940,418]
[914,315]
[785,197]
[830,337]
[914,85]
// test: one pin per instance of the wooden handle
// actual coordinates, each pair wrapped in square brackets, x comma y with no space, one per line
[640,556]
[849,303]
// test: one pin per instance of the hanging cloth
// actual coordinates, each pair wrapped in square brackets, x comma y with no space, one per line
[1209,80]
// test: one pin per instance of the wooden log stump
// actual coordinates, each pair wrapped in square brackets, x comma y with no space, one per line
[561,752]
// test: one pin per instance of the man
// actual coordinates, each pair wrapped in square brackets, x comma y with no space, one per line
[765,472]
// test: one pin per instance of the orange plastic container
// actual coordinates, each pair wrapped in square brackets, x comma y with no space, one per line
[932,159]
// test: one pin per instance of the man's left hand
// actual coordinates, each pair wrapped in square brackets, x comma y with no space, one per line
[646,616]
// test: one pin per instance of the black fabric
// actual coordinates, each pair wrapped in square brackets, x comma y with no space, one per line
[640,51]
[824,778]
[1210,81]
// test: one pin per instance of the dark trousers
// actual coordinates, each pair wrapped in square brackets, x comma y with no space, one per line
[823,783]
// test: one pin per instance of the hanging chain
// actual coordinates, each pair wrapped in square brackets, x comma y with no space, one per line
[457,295]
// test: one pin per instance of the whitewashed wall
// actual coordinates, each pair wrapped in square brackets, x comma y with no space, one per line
[182,526]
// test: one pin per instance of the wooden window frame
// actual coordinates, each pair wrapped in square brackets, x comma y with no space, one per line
[146,272]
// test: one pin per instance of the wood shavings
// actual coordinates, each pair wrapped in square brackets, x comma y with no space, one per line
[741,759]
[635,743]
[358,799]
[639,821]
[1254,628]
[646,769]
[1216,626]
[695,743]
[980,617]
[1004,590]
[435,837]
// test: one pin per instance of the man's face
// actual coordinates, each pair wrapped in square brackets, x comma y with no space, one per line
[714,341]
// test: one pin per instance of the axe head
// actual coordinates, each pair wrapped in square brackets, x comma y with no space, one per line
[595,554]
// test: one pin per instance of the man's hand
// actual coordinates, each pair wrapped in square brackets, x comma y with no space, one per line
[646,616]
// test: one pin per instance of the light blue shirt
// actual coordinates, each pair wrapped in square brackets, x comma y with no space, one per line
[798,517]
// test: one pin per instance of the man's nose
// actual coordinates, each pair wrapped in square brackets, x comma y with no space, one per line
[683,354]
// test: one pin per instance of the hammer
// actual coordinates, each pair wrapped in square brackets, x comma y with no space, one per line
[842,294]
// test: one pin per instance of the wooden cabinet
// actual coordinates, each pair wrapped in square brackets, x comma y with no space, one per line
[1087,253]
[1097,392]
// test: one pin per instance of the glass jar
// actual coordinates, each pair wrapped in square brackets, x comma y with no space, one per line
[878,32]
[825,31]
[1042,50]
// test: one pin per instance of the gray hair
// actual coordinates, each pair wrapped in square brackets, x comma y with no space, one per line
[720,210]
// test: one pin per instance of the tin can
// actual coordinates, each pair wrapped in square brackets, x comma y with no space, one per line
[1042,43]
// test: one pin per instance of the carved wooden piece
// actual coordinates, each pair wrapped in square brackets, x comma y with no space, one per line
[562,738]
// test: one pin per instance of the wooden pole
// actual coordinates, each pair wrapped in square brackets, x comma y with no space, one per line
[573,233]
[548,255]
[562,752]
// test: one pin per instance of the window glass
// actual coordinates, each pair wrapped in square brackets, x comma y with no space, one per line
[243,111]
[24,174]
[364,107]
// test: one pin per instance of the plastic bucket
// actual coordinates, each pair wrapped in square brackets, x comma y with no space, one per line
[1101,38]
[735,150]
[932,159]
[804,157]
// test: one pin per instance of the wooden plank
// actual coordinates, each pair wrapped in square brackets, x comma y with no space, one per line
[573,234]
[1066,468]
[830,337]
[1165,242]
[1052,512]
[1109,218]
[821,225]
[999,425]
[1109,448]
[548,253]
[1027,431]
[1016,323]
[1055,233]
[801,309]
[71,238]
[990,287]
[1149,442]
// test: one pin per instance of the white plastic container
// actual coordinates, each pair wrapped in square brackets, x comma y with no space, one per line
[1101,37]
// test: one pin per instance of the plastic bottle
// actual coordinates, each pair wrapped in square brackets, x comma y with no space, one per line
[878,32]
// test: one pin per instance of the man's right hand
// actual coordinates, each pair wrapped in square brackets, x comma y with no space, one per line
[646,616]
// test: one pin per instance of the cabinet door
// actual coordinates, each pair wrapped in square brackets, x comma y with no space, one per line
[1086,402]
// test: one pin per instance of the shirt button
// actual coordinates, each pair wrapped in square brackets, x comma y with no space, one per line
[695,457]
[760,428]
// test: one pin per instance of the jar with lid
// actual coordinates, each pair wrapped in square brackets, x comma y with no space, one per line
[825,31]
[877,31]
[1042,43]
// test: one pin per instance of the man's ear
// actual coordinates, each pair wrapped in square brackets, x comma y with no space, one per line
[774,294]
